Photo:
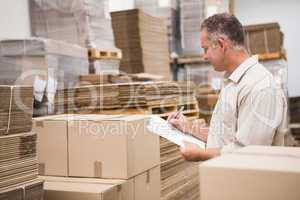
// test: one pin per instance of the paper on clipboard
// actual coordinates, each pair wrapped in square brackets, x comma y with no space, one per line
[164,129]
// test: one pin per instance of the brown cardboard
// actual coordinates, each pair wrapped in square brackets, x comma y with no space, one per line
[99,146]
[52,146]
[145,186]
[257,172]
[263,38]
[31,190]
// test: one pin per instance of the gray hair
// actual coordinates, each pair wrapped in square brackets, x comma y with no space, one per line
[227,26]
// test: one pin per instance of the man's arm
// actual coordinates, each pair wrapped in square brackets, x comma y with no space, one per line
[192,152]
[197,128]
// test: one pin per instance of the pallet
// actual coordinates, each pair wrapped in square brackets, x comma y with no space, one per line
[191,114]
[162,111]
[270,56]
[188,106]
[192,60]
[96,54]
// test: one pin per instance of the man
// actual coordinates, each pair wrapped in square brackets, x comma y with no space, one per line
[251,109]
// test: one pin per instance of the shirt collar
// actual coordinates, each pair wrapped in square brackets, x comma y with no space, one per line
[237,74]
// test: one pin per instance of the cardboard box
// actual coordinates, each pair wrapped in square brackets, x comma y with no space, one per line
[32,190]
[145,186]
[263,38]
[16,194]
[95,146]
[254,172]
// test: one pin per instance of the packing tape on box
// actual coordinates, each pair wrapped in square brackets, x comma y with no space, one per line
[98,169]
[148,177]
[42,168]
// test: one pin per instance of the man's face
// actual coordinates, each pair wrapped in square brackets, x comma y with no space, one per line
[212,52]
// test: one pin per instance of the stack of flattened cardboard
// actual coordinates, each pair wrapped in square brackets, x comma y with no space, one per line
[15,109]
[44,64]
[96,79]
[82,22]
[82,144]
[264,38]
[32,190]
[18,153]
[86,99]
[144,42]
[179,179]
[192,13]
[147,94]
[169,12]
[18,159]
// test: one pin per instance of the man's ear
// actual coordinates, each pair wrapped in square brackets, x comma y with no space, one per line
[222,43]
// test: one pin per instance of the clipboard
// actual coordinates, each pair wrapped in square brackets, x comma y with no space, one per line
[161,127]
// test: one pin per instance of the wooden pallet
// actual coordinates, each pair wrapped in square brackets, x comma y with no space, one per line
[192,60]
[163,111]
[270,56]
[188,106]
[96,54]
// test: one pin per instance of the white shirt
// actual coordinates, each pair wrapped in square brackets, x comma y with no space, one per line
[251,110]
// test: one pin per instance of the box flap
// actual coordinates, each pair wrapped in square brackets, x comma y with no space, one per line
[77,187]
[281,159]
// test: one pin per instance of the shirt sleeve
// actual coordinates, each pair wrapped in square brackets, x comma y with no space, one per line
[259,115]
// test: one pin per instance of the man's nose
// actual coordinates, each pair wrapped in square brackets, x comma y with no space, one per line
[205,56]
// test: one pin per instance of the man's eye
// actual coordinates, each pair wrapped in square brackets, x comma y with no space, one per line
[205,50]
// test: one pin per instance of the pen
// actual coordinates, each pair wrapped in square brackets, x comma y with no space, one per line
[177,113]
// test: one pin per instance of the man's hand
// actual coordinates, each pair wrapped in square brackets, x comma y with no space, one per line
[200,129]
[180,122]
[192,152]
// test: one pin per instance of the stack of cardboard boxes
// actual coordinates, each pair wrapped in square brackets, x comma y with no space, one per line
[18,155]
[114,156]
[254,172]
[179,179]
[169,12]
[192,13]
[82,22]
[87,99]
[144,42]
[47,65]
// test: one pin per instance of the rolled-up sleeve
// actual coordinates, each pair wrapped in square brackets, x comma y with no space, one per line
[259,115]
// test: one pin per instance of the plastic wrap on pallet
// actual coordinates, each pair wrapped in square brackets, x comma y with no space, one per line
[44,64]
[279,69]
[192,13]
[152,7]
[82,22]
[105,67]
